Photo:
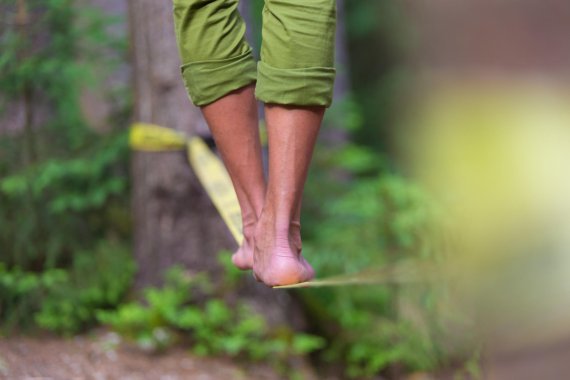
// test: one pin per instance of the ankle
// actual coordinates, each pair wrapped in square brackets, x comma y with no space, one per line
[248,229]
[283,235]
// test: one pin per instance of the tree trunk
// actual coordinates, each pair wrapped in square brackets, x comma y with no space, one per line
[342,82]
[335,133]
[174,220]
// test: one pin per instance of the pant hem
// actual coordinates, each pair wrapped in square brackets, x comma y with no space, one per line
[311,86]
[207,81]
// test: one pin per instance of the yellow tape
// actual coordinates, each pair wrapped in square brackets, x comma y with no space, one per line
[215,179]
[152,138]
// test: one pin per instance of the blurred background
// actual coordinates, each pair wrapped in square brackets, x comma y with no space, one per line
[447,151]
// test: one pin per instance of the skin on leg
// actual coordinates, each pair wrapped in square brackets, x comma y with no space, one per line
[233,121]
[292,133]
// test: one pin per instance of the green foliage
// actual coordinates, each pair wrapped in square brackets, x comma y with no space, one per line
[62,205]
[185,310]
[47,60]
[378,37]
[62,186]
[76,184]
[375,219]
[98,279]
[345,113]
[21,294]
[399,344]
[65,301]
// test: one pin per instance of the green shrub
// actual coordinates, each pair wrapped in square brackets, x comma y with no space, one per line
[185,310]
[98,279]
[376,219]
[60,181]
[65,301]
[60,206]
[21,294]
[63,187]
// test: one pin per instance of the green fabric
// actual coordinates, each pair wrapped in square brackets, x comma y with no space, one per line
[207,81]
[297,54]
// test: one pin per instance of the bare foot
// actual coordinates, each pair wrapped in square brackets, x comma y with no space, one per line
[243,257]
[277,256]
[295,230]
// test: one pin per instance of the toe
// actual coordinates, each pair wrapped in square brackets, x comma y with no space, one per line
[240,261]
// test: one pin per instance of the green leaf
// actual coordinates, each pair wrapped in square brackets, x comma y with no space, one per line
[304,344]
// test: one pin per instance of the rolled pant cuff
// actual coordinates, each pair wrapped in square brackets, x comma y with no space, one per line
[311,86]
[207,81]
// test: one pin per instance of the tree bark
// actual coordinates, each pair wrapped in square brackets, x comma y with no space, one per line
[335,133]
[174,220]
[342,82]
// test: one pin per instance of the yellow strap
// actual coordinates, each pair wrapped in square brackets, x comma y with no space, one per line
[215,179]
[152,138]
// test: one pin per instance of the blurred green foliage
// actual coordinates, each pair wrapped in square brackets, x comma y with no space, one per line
[22,293]
[65,300]
[187,310]
[371,219]
[62,185]
[64,217]
[97,279]
[59,206]
[379,37]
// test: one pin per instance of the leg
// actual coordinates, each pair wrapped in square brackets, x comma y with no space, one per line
[219,71]
[234,125]
[292,135]
[295,80]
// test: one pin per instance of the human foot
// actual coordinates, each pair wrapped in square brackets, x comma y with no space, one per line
[295,231]
[277,256]
[243,257]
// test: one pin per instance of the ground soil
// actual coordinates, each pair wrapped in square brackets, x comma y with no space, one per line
[102,356]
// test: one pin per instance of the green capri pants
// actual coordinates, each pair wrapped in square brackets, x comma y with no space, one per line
[297,52]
